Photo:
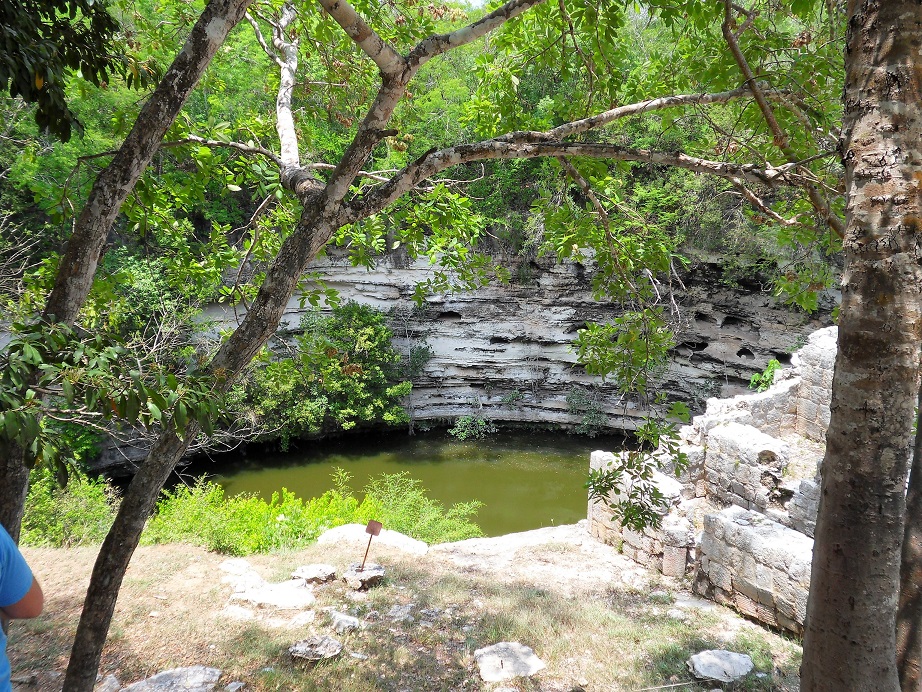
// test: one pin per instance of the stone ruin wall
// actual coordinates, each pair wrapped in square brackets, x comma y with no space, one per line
[740,518]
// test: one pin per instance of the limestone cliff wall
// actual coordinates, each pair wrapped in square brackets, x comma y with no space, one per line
[513,341]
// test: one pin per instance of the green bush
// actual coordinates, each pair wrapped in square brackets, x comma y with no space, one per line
[473,427]
[400,503]
[343,371]
[246,524]
[78,514]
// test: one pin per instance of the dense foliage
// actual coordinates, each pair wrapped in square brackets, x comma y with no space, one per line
[339,371]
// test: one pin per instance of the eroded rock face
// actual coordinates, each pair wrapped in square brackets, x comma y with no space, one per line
[507,349]
[505,352]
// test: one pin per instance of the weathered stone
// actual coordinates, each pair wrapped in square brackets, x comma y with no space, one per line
[289,595]
[507,660]
[674,561]
[315,574]
[316,649]
[343,623]
[355,533]
[109,683]
[720,665]
[192,679]
[401,613]
[363,579]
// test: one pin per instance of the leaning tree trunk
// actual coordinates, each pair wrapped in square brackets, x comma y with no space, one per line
[111,188]
[909,613]
[260,323]
[850,641]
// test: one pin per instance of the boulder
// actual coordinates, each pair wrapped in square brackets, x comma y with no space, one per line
[355,533]
[363,579]
[720,665]
[507,660]
[316,649]
[342,622]
[315,574]
[192,679]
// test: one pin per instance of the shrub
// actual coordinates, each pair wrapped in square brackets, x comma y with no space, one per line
[343,371]
[78,514]
[473,427]
[244,524]
[400,503]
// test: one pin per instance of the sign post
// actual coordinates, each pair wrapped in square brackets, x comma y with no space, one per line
[373,529]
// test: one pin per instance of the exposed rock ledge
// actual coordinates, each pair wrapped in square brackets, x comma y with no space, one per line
[515,339]
[505,351]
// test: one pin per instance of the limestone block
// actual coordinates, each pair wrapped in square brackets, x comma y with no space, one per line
[746,588]
[720,576]
[674,561]
[766,613]
[789,624]
[746,605]
[678,531]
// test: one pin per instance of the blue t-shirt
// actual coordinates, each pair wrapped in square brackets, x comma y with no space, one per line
[15,582]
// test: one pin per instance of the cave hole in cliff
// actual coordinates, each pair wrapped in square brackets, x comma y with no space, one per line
[745,353]
[782,357]
[501,339]
[704,317]
[450,316]
[731,321]
[575,327]
[693,345]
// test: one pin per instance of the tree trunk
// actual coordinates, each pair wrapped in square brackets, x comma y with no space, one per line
[850,640]
[260,323]
[14,479]
[909,613]
[111,188]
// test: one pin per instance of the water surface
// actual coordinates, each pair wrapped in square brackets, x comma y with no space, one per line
[525,479]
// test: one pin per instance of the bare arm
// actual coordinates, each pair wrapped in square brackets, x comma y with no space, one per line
[29,606]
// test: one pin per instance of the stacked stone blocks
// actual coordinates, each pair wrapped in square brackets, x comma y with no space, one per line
[755,553]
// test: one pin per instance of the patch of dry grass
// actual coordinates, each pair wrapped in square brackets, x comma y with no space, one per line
[608,638]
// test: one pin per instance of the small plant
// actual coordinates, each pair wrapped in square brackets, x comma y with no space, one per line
[763,380]
[512,398]
[587,405]
[473,427]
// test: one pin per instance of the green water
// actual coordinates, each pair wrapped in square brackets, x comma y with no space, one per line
[526,480]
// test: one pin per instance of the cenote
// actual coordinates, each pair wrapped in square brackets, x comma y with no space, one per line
[525,479]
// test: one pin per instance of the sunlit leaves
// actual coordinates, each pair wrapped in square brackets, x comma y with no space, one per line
[49,372]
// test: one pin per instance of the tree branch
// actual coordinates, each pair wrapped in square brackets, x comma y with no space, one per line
[595,121]
[388,60]
[262,41]
[819,202]
[217,144]
[529,145]
[586,188]
[438,44]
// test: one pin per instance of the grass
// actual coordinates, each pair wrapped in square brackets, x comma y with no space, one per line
[606,637]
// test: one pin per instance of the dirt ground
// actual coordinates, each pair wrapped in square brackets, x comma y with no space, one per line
[598,621]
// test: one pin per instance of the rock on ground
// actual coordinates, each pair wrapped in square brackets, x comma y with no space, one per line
[193,679]
[507,660]
[316,649]
[315,574]
[363,579]
[720,665]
